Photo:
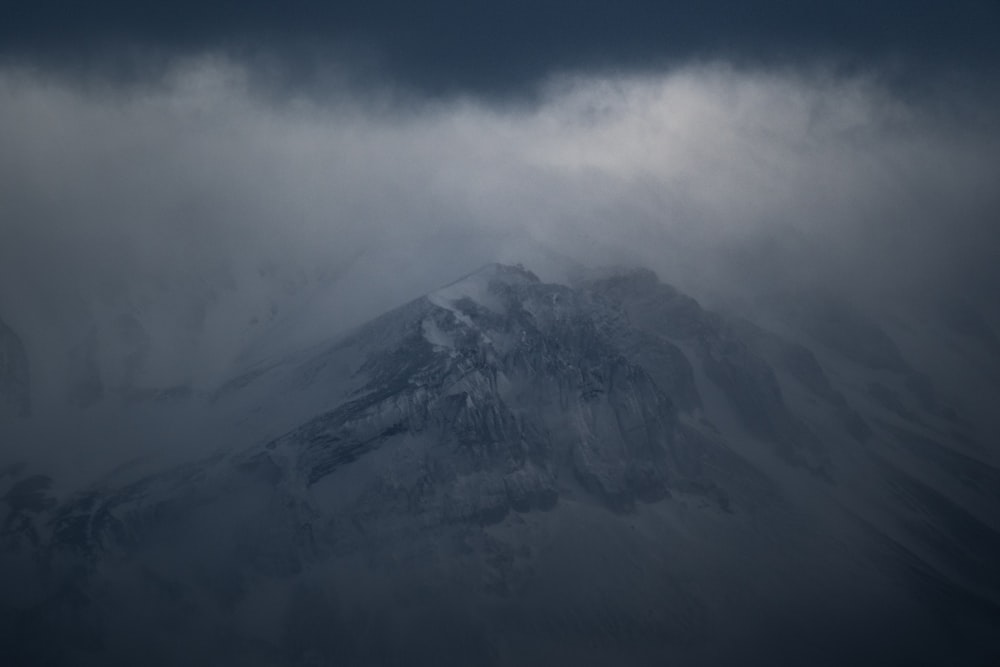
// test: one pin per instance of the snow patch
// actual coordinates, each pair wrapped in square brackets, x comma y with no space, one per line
[449,305]
[435,335]
[476,287]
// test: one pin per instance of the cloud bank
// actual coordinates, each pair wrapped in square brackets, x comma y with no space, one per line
[207,207]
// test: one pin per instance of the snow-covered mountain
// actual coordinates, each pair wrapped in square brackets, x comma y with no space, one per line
[508,471]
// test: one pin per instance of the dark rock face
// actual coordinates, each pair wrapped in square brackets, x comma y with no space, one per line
[15,380]
[509,398]
[512,472]
[727,352]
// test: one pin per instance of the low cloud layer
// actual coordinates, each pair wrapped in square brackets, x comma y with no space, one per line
[208,207]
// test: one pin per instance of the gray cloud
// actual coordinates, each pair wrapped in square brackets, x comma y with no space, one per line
[225,219]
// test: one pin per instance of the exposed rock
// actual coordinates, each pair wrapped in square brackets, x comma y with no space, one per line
[507,471]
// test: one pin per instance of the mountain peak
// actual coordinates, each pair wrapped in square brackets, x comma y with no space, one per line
[480,286]
[496,271]
[590,456]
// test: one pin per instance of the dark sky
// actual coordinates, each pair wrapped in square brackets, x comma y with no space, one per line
[499,47]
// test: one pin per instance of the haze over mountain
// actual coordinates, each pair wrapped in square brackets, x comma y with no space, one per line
[718,385]
[508,471]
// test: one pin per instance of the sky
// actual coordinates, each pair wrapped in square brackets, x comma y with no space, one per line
[210,168]
[447,45]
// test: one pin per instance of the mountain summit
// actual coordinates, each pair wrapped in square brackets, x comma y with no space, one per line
[507,471]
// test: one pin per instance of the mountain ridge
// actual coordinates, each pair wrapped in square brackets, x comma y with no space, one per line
[608,459]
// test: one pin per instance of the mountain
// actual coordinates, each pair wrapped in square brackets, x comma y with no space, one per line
[508,472]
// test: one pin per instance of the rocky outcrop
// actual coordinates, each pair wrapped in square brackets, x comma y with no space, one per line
[505,381]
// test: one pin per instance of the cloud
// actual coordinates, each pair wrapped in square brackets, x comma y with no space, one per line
[497,48]
[210,209]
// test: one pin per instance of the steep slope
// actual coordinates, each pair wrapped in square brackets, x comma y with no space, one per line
[512,472]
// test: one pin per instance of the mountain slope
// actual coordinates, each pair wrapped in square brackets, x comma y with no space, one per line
[512,472]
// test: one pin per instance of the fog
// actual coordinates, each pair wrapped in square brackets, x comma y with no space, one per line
[161,235]
[231,219]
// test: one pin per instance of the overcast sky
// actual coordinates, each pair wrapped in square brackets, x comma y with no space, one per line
[194,164]
[453,45]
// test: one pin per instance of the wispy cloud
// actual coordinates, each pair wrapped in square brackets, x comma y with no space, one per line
[201,202]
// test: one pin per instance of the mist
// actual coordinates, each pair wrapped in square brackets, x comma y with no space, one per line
[209,208]
[203,465]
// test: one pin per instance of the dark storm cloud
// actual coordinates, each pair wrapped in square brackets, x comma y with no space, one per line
[449,45]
